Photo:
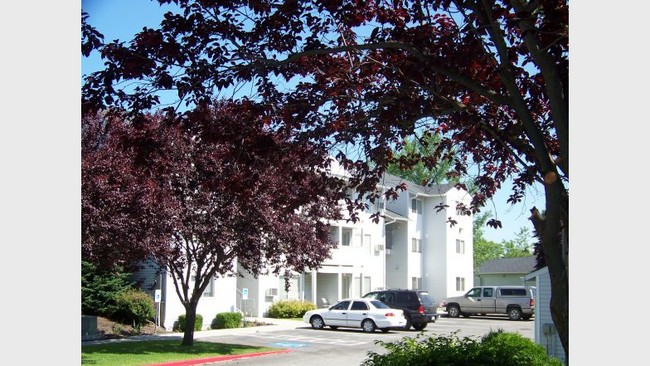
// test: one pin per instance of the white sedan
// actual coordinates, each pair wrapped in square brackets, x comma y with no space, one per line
[367,314]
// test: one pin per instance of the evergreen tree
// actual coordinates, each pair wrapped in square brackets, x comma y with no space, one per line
[100,288]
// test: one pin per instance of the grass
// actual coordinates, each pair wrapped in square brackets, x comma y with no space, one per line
[133,353]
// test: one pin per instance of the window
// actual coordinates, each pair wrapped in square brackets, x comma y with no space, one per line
[387,297]
[359,305]
[343,305]
[512,292]
[460,284]
[416,205]
[460,246]
[209,291]
[346,237]
[488,292]
[372,295]
[460,208]
[334,234]
[402,297]
[416,283]
[416,245]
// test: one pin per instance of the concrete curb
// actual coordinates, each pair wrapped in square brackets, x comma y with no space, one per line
[199,361]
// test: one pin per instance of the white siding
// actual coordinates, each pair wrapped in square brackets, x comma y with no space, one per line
[545,332]
[222,301]
[443,264]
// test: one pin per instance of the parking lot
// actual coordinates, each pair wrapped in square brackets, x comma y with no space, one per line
[312,347]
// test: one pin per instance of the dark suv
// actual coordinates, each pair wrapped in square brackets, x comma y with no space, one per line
[419,307]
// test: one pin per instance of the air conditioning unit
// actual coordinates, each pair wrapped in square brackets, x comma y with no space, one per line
[271,292]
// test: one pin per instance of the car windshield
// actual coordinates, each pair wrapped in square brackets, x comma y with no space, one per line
[425,298]
[379,305]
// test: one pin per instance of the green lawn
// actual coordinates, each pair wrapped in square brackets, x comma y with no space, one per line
[132,353]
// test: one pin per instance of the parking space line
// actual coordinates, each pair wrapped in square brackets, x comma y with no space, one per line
[321,340]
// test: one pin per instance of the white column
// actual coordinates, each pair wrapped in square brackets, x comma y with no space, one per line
[314,275]
[339,278]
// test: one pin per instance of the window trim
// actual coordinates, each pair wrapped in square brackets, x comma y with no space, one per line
[460,246]
[460,283]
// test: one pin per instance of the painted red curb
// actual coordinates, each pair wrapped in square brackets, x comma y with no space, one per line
[199,361]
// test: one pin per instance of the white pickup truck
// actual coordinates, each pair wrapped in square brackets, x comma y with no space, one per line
[516,301]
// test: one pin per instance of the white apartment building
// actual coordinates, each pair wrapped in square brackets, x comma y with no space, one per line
[412,246]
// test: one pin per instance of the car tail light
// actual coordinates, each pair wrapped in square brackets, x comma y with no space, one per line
[532,302]
[389,314]
[421,309]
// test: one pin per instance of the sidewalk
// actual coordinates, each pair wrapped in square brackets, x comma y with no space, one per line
[274,324]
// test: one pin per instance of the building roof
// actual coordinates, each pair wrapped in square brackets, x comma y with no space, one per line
[432,190]
[508,265]
[392,215]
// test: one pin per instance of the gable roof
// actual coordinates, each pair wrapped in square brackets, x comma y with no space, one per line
[395,216]
[434,190]
[508,265]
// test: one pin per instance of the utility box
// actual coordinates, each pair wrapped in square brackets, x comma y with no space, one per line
[89,327]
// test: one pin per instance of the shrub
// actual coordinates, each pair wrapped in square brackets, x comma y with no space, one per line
[198,323]
[227,320]
[495,349]
[285,309]
[512,349]
[134,306]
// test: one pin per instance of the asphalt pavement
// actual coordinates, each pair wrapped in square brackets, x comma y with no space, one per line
[272,325]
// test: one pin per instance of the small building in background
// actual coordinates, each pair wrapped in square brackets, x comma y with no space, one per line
[505,271]
[545,331]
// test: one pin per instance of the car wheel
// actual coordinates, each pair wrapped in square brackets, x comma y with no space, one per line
[453,311]
[420,326]
[317,322]
[368,326]
[332,327]
[514,314]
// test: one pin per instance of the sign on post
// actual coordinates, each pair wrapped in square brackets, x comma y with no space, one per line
[156,296]
[244,293]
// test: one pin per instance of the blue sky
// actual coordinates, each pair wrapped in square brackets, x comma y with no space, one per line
[121,19]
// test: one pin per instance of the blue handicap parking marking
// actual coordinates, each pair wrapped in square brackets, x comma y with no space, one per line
[289,344]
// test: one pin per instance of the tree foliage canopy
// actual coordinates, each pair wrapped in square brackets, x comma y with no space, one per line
[489,77]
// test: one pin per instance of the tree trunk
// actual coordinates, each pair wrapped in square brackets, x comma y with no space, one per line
[555,245]
[190,318]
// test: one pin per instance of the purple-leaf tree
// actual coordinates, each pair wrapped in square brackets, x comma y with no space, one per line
[219,191]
